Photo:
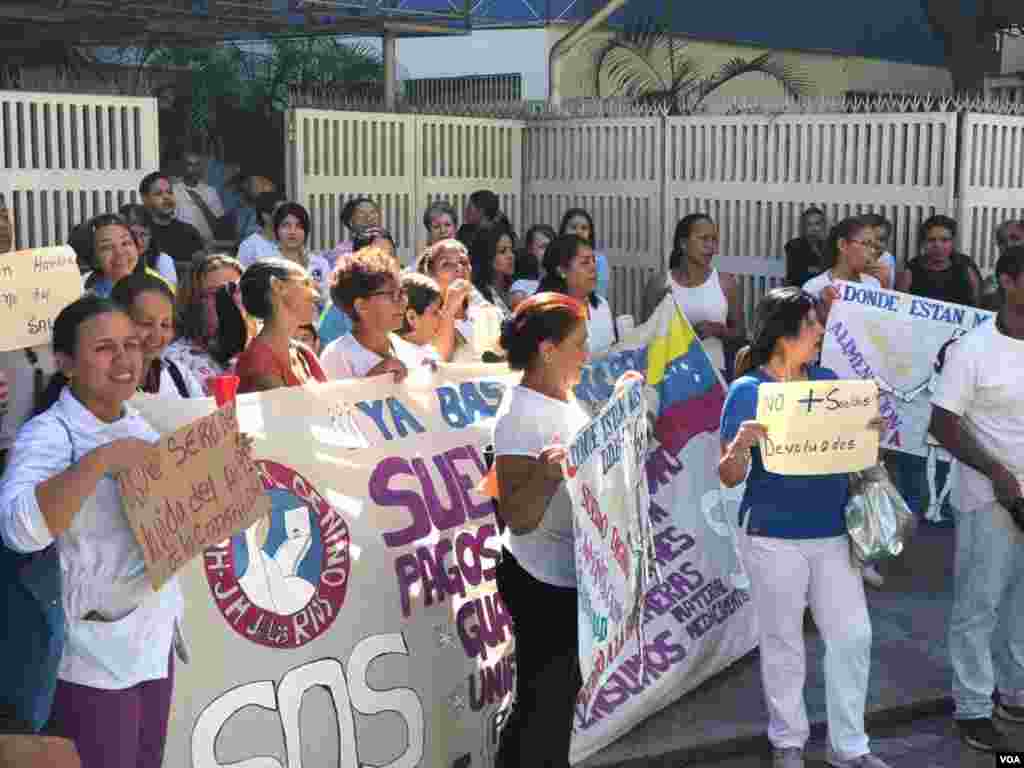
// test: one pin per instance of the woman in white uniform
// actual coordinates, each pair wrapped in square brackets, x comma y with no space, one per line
[115,678]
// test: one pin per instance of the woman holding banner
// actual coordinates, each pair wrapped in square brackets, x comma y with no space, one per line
[546,338]
[110,636]
[796,549]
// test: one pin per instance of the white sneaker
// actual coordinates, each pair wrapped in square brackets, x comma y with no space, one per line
[864,761]
[872,577]
[788,757]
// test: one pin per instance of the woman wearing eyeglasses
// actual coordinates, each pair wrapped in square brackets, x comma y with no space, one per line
[852,247]
[283,295]
[198,349]
[367,288]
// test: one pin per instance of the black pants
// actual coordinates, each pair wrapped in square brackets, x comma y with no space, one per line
[539,729]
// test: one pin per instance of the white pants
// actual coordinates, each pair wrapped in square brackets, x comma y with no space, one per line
[786,575]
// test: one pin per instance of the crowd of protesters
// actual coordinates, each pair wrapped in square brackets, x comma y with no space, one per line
[166,309]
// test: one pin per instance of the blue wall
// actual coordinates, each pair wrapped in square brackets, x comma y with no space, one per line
[894,30]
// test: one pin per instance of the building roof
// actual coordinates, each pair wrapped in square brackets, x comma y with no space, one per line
[893,30]
[126,22]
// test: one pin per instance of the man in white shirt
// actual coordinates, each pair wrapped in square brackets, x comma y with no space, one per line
[978,416]
[198,202]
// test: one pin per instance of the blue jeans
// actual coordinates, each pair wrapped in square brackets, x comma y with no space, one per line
[909,474]
[986,627]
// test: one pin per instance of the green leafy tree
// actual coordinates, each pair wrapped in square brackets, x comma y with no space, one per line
[647,64]
[256,77]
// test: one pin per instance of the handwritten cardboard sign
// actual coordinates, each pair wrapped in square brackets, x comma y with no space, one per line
[818,427]
[35,285]
[202,490]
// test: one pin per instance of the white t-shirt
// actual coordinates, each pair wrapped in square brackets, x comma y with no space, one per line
[527,423]
[320,271]
[704,303]
[346,358]
[168,386]
[981,383]
[600,326]
[819,283]
[256,247]
[889,261]
[190,357]
[525,287]
[425,353]
[165,266]
[191,213]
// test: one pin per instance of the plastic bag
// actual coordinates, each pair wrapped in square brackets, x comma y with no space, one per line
[877,518]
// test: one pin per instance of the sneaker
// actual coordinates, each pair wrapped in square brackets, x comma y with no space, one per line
[788,757]
[863,761]
[980,734]
[872,577]
[1008,713]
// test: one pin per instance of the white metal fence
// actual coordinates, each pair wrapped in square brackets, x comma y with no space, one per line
[754,173]
[403,162]
[66,157]
[991,181]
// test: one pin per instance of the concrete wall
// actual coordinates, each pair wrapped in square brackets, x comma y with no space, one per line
[525,51]
[1013,55]
[831,74]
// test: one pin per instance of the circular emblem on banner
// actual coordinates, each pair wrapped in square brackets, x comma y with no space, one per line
[282,582]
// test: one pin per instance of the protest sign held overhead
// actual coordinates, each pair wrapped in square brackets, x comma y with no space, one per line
[611,530]
[818,427]
[898,341]
[35,285]
[202,489]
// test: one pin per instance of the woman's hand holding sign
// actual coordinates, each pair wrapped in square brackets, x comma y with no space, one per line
[750,434]
[551,460]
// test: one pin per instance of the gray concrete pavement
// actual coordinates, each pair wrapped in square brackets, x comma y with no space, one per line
[910,675]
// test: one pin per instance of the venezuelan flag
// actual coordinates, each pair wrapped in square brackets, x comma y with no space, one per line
[690,393]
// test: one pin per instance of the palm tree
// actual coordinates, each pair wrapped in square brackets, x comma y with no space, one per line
[648,65]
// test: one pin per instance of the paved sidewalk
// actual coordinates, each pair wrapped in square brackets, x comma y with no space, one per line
[910,673]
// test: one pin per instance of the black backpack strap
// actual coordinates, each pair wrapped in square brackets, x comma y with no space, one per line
[179,380]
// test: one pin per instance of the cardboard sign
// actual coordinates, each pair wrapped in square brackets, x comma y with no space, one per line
[35,285]
[203,490]
[818,427]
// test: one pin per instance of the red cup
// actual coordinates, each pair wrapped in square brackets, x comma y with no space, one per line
[224,388]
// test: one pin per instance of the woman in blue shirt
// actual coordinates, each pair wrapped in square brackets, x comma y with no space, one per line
[796,549]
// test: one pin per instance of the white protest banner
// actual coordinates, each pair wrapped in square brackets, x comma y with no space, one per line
[202,489]
[363,621]
[360,623]
[699,619]
[897,340]
[611,529]
[818,427]
[35,285]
